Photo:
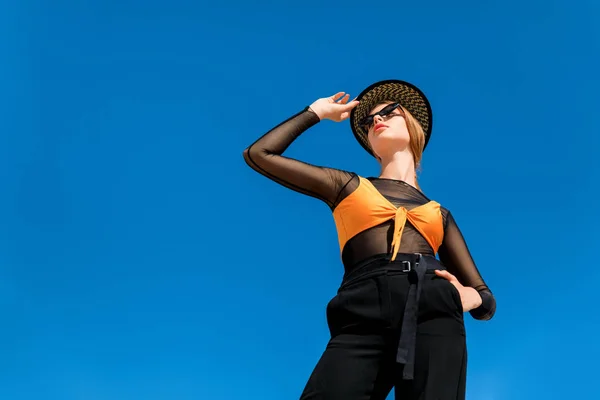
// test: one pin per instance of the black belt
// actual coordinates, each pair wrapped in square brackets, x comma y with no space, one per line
[408,335]
[416,266]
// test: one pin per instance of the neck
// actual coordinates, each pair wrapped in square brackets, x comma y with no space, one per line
[399,166]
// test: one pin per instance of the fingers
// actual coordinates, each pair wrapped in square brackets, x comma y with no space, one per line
[337,96]
[341,98]
[352,104]
[445,274]
[347,108]
[340,103]
[348,105]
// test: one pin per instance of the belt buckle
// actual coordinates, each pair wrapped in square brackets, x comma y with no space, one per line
[408,263]
[419,256]
[408,269]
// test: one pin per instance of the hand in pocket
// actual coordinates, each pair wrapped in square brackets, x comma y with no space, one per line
[469,297]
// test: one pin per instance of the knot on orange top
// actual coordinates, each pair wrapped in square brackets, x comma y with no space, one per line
[399,223]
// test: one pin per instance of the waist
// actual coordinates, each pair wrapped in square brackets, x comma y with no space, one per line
[382,264]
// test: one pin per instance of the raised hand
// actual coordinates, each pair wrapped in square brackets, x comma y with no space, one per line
[336,107]
[469,297]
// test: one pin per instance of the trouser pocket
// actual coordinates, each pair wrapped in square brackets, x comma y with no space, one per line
[439,296]
[456,297]
[359,307]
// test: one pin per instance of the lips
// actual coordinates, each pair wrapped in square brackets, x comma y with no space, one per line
[379,126]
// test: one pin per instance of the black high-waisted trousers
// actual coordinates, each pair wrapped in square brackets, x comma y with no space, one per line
[393,324]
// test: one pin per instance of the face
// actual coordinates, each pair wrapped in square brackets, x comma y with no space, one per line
[387,130]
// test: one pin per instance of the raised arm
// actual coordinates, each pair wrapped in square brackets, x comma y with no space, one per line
[265,154]
[455,255]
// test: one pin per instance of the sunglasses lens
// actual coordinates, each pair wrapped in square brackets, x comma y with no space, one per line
[388,109]
[368,120]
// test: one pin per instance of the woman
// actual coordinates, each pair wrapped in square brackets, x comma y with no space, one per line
[397,319]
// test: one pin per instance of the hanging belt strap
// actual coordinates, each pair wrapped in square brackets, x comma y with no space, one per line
[408,336]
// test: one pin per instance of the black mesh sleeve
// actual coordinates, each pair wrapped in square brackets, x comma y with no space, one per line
[455,255]
[265,157]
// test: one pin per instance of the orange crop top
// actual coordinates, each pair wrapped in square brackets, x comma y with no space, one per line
[365,208]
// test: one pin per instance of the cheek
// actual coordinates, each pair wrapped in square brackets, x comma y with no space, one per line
[399,127]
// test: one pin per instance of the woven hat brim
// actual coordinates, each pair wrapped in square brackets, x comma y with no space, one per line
[407,94]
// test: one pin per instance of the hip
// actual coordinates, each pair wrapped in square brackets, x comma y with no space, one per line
[373,295]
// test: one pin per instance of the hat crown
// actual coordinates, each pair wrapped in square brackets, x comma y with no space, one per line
[408,95]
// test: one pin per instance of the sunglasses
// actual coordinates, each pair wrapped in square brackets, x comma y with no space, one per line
[386,111]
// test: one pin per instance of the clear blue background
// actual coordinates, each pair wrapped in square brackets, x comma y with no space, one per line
[140,258]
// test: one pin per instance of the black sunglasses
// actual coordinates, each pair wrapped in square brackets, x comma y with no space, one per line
[367,121]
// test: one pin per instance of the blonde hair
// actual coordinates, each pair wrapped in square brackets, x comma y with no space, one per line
[417,138]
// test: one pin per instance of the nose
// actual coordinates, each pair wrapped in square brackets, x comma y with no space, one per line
[377,119]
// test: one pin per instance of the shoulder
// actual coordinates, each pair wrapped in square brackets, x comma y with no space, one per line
[344,176]
[446,215]
[346,182]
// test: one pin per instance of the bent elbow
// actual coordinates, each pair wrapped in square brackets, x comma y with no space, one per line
[484,317]
[486,311]
[253,156]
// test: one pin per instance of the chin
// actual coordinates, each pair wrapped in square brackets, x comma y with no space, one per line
[391,144]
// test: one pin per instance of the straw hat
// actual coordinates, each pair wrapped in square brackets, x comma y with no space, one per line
[409,97]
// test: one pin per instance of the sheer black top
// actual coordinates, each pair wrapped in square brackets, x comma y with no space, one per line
[333,185]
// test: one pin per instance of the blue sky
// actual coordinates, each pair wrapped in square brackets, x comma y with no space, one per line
[140,258]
